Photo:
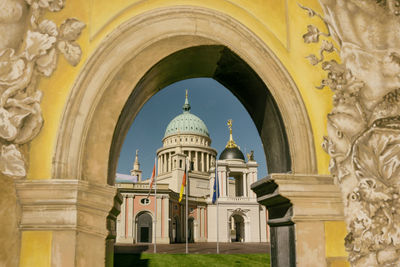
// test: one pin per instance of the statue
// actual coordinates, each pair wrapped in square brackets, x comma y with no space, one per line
[231,143]
[250,156]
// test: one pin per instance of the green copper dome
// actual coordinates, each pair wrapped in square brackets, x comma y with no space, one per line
[186,123]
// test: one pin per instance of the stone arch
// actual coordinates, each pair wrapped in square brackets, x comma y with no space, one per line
[119,78]
[244,222]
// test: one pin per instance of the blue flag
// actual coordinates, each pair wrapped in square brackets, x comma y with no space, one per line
[216,186]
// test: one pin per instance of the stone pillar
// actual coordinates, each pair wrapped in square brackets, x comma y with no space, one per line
[133,223]
[158,164]
[196,161]
[244,182]
[253,179]
[304,201]
[226,183]
[163,162]
[79,216]
[165,222]
[203,165]
[190,156]
[170,161]
[221,183]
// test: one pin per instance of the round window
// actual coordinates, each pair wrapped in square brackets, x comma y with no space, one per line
[145,201]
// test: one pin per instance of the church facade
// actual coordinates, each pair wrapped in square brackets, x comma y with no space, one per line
[145,218]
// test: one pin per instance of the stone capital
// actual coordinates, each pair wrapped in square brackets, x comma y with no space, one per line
[51,205]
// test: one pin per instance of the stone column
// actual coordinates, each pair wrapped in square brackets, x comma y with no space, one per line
[165,222]
[133,223]
[244,178]
[158,164]
[196,161]
[190,156]
[203,165]
[76,213]
[164,163]
[283,195]
[170,161]
[227,183]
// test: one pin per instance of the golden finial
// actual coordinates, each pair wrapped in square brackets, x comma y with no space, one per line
[186,106]
[231,143]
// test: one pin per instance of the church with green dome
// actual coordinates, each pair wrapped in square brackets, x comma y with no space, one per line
[187,139]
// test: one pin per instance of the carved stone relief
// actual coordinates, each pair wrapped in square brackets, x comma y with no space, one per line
[29,49]
[364,125]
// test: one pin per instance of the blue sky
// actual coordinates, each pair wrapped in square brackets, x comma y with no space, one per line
[211,102]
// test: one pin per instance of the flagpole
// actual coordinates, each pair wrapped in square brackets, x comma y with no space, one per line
[155,198]
[217,196]
[187,202]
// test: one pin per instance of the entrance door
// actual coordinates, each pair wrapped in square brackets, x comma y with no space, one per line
[144,234]
[238,229]
[144,228]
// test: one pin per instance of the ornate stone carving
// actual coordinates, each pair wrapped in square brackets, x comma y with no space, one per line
[29,48]
[364,126]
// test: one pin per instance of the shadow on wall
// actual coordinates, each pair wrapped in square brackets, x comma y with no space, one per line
[128,256]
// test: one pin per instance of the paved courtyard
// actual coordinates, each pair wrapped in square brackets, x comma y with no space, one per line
[195,248]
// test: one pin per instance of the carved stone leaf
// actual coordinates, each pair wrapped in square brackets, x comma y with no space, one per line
[377,155]
[70,29]
[37,44]
[327,46]
[31,127]
[31,119]
[72,52]
[52,5]
[7,129]
[313,59]
[47,63]
[312,35]
[49,27]
[12,162]
[56,5]
[11,68]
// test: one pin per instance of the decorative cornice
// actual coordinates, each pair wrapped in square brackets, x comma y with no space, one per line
[29,49]
[305,197]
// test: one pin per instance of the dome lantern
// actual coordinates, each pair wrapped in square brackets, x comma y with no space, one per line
[186,123]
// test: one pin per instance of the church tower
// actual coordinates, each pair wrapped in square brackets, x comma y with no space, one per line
[136,168]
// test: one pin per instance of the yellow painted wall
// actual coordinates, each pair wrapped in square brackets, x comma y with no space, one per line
[267,18]
[35,249]
[335,232]
[279,23]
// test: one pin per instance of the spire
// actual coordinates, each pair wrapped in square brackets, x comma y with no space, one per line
[186,106]
[136,165]
[231,143]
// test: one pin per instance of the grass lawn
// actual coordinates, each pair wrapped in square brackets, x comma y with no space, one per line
[192,260]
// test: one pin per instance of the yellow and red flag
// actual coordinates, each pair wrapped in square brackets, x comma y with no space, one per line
[183,184]
[153,175]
